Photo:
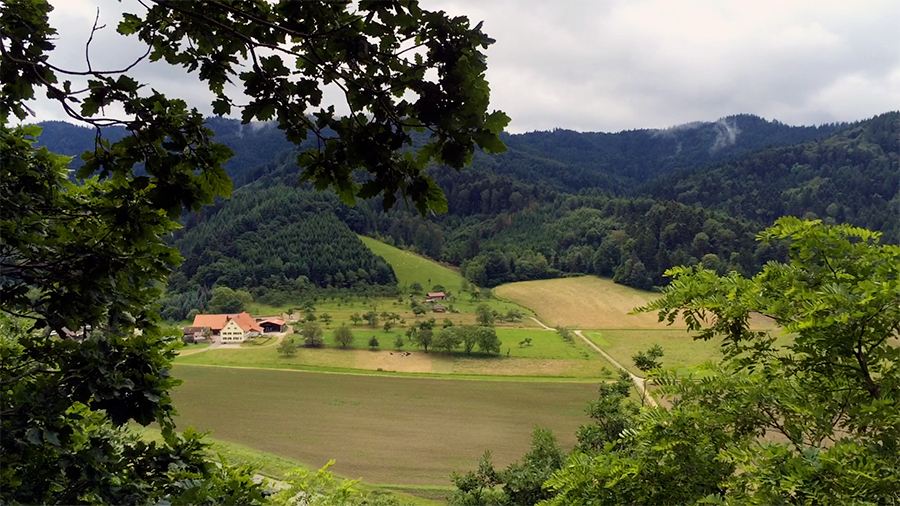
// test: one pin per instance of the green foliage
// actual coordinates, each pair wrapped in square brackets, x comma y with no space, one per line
[566,334]
[373,342]
[279,243]
[484,315]
[287,348]
[522,482]
[312,335]
[323,489]
[398,342]
[228,301]
[416,288]
[447,338]
[90,258]
[648,360]
[487,340]
[831,396]
[343,336]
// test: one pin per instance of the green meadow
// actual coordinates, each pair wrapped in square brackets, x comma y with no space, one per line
[405,431]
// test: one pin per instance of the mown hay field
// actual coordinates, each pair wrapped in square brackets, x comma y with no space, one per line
[413,431]
[589,302]
[585,302]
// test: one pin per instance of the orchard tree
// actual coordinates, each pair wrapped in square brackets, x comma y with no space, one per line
[446,339]
[356,318]
[92,257]
[312,335]
[373,342]
[343,336]
[484,315]
[287,348]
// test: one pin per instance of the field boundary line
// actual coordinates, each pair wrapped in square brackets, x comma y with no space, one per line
[638,381]
[385,374]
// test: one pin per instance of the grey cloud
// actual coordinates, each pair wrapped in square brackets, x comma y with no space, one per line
[626,64]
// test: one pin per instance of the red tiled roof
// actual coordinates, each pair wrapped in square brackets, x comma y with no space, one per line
[273,321]
[217,322]
[435,294]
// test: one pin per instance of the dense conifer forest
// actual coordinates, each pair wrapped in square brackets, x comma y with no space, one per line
[628,205]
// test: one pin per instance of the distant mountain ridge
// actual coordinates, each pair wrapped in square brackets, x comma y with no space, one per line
[628,204]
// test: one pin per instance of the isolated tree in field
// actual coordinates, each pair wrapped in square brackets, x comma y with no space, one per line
[418,309]
[648,360]
[356,318]
[326,318]
[310,317]
[101,258]
[343,336]
[398,342]
[484,315]
[372,318]
[416,288]
[387,326]
[312,335]
[287,347]
[373,342]
[487,339]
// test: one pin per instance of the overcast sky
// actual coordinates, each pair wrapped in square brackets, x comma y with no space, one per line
[619,65]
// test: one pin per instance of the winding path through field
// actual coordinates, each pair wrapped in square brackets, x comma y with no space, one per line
[639,382]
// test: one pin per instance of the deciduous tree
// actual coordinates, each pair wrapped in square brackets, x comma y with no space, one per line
[343,336]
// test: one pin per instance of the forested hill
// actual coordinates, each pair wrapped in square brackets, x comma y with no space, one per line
[560,159]
[851,176]
[275,243]
[628,205]
[576,161]
[252,144]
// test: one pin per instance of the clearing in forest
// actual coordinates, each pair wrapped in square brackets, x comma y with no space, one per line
[411,268]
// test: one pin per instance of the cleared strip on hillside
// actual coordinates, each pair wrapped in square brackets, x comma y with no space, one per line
[411,268]
[408,431]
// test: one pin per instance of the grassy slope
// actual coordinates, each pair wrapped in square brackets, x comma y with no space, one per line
[411,268]
[413,431]
[583,302]
[589,302]
[278,467]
